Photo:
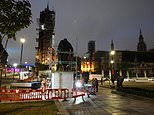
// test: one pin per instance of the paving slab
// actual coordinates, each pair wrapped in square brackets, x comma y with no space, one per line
[107,103]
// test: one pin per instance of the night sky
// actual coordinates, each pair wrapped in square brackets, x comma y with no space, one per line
[99,20]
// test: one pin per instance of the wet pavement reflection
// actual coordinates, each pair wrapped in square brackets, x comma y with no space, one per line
[107,103]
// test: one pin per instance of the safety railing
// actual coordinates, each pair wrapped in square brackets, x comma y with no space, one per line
[90,89]
[56,94]
[29,94]
[47,94]
[9,94]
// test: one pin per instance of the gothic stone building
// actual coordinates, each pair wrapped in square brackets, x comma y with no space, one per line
[138,63]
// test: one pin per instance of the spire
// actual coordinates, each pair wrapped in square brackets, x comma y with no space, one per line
[112,45]
[48,6]
[141,36]
[140,31]
[141,46]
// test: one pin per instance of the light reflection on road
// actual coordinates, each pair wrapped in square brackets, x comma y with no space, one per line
[109,103]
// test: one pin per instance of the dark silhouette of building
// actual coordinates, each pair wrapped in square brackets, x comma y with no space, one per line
[65,55]
[46,34]
[91,46]
[129,64]
[141,46]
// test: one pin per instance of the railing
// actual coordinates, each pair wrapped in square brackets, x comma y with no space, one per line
[9,94]
[90,89]
[56,94]
[47,94]
[29,94]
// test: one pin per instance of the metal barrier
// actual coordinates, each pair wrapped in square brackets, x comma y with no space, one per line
[48,94]
[30,94]
[90,89]
[57,94]
[9,94]
[78,92]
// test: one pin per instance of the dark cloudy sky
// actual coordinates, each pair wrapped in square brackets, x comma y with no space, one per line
[99,20]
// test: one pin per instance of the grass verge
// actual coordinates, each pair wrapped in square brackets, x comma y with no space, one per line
[138,91]
[29,108]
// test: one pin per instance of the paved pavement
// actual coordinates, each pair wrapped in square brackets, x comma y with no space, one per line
[107,103]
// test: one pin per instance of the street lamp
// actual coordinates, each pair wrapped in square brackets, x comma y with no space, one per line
[85,63]
[22,40]
[112,61]
[5,70]
[112,53]
[14,65]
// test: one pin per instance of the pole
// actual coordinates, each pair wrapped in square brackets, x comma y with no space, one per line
[21,54]
[76,55]
[13,73]
[5,72]
[21,59]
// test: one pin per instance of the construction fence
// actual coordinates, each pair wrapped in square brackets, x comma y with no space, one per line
[41,94]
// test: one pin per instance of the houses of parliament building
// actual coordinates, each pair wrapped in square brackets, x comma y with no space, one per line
[130,64]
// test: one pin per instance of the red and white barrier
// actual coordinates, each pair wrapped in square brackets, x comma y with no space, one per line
[57,94]
[47,94]
[29,94]
[9,94]
[90,90]
[78,92]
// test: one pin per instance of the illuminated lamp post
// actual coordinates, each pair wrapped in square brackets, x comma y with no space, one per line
[22,40]
[5,70]
[112,61]
[112,72]
[85,63]
[14,65]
